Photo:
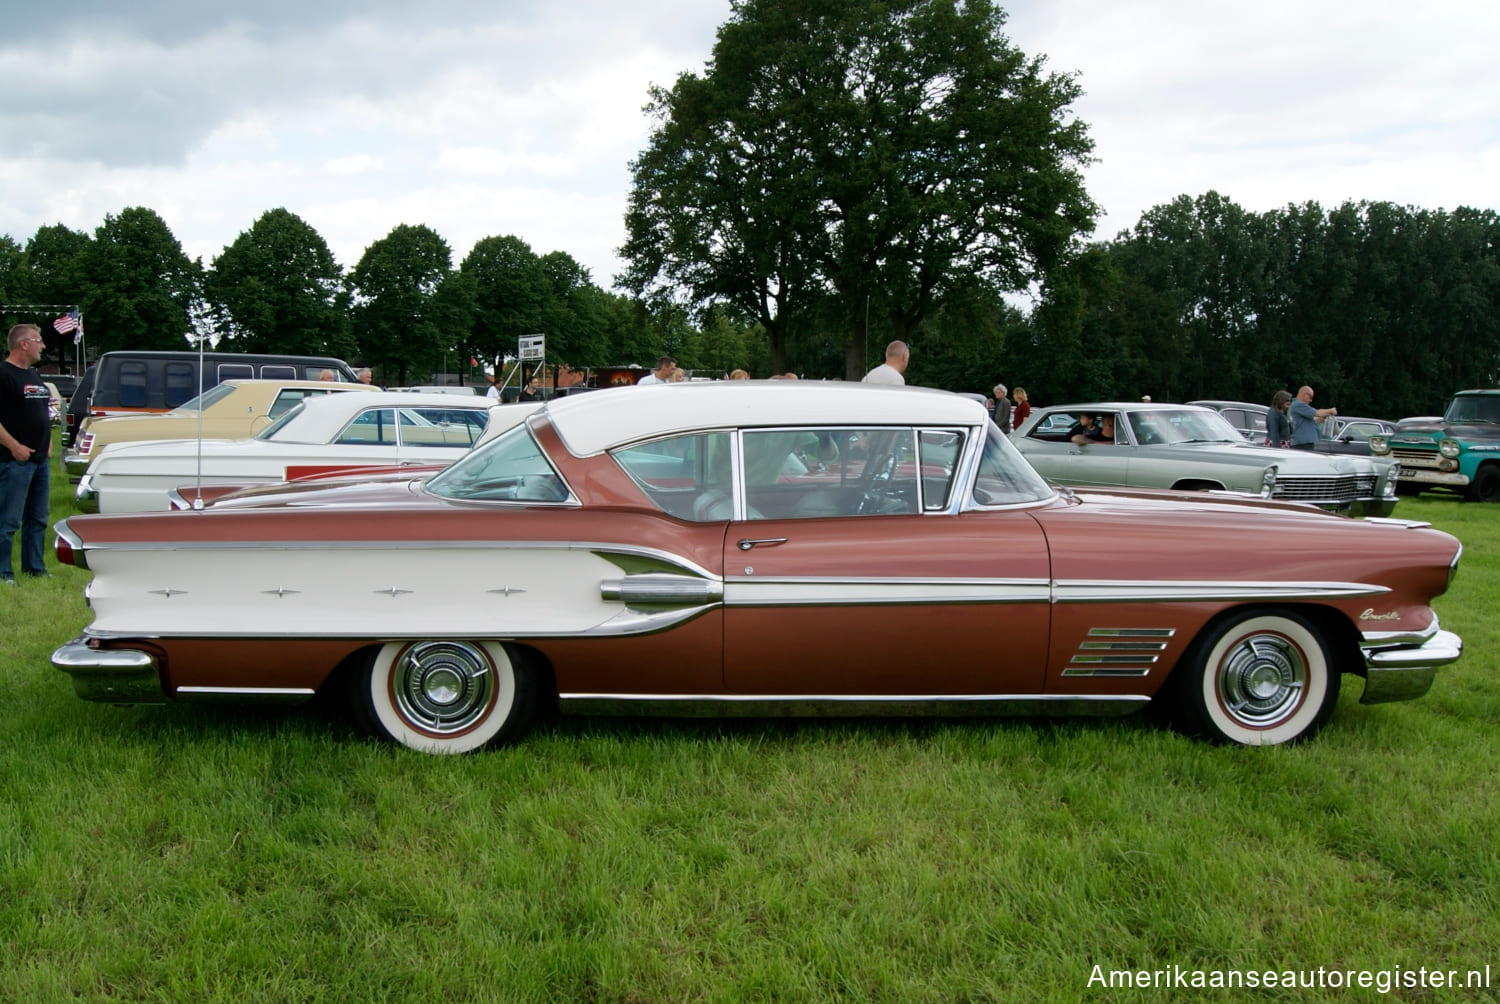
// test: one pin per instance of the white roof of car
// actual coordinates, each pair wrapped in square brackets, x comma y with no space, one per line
[602,420]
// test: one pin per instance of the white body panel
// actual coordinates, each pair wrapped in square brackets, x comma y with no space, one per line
[371,591]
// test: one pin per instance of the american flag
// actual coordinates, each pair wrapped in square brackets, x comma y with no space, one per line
[71,321]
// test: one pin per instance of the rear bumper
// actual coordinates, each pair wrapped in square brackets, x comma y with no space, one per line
[1402,667]
[110,675]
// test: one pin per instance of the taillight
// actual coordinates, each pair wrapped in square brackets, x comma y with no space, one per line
[85,443]
[70,549]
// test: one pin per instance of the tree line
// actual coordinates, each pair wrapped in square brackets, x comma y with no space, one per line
[839,175]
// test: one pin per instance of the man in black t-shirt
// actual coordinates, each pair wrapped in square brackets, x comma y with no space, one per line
[25,441]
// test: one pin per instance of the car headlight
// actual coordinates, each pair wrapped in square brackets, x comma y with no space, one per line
[1268,482]
[1379,445]
[1449,448]
[1390,481]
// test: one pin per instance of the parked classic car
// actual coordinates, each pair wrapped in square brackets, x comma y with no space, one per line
[1349,434]
[756,549]
[1459,452]
[235,409]
[1191,448]
[332,433]
[1248,418]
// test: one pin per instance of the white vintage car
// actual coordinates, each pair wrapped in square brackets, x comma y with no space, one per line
[340,433]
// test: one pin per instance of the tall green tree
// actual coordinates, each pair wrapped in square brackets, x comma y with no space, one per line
[513,296]
[142,288]
[403,326]
[573,313]
[277,288]
[56,259]
[870,150]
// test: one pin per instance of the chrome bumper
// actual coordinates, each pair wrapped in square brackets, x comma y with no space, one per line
[1425,477]
[75,465]
[110,675]
[86,498]
[1402,668]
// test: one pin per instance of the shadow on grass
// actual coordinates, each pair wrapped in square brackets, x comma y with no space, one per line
[325,719]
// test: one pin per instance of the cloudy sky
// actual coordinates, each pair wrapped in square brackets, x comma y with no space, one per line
[482,117]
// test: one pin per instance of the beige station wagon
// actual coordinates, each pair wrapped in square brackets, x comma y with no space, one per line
[234,409]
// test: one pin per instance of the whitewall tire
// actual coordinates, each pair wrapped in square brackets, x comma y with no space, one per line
[1260,678]
[445,696]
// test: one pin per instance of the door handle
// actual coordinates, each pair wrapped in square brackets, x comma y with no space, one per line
[747,544]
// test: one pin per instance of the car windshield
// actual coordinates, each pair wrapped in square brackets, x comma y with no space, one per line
[269,432]
[1167,428]
[1004,476]
[208,398]
[1474,409]
[509,468]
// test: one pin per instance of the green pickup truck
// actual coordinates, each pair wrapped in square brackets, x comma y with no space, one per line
[1459,452]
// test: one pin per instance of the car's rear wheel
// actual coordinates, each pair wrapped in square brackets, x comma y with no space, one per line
[1486,484]
[445,696]
[1258,678]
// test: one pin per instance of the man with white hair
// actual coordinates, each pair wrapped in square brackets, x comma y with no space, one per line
[1000,407]
[897,355]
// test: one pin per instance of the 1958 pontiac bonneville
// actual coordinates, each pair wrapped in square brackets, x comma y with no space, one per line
[756,549]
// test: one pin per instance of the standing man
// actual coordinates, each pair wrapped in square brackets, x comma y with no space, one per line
[1000,410]
[532,391]
[897,355]
[1305,419]
[665,367]
[26,439]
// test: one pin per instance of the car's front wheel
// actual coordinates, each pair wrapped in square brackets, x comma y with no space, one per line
[1258,678]
[1486,484]
[445,696]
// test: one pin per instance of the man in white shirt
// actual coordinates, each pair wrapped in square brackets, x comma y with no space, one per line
[897,355]
[664,368]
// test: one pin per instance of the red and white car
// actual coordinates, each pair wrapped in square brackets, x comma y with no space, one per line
[336,433]
[757,548]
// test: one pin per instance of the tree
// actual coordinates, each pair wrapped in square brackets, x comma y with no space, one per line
[56,258]
[512,296]
[872,151]
[278,289]
[142,287]
[574,313]
[401,323]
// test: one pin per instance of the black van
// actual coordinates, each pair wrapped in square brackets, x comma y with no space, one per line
[127,381]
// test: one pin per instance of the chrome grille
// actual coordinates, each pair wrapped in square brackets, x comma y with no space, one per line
[1323,490]
[1408,457]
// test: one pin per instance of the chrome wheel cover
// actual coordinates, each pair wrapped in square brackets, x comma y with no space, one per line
[1262,680]
[443,688]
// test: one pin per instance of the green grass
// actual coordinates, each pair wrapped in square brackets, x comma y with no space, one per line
[210,854]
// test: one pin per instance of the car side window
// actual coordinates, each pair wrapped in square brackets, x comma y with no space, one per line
[289,397]
[938,452]
[458,427]
[685,476]
[372,427]
[816,472]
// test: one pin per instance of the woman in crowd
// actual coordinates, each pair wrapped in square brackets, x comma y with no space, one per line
[1022,409]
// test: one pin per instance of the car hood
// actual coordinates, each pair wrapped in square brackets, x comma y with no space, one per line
[1287,461]
[1229,536]
[1422,431]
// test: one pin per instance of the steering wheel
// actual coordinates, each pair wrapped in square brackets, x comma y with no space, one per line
[874,495]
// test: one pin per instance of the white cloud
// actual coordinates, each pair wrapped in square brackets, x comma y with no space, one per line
[477,118]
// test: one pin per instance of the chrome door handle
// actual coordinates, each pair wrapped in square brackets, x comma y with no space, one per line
[745,545]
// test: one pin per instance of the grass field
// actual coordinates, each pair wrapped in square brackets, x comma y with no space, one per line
[203,854]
